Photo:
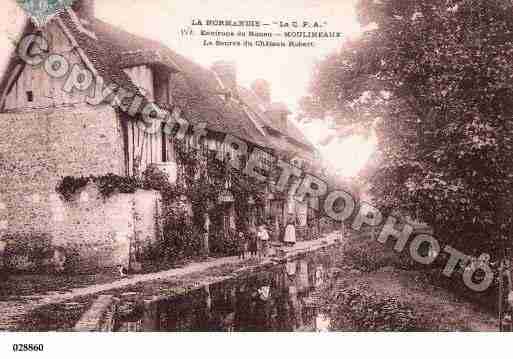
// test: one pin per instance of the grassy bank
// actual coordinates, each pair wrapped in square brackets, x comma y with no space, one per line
[379,290]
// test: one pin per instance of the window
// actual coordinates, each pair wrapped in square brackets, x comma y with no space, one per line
[30,96]
[168,149]
[164,143]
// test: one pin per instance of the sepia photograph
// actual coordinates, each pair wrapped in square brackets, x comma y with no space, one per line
[301,166]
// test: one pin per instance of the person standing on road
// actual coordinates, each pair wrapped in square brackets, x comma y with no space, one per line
[290,233]
[253,243]
[3,271]
[242,246]
[206,234]
[263,239]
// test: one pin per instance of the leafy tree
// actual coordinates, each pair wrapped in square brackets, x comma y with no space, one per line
[433,79]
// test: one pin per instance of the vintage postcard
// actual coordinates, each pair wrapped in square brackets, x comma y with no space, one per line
[255,166]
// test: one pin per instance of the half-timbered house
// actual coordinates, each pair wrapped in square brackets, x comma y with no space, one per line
[52,128]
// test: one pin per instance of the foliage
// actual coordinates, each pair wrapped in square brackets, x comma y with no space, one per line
[152,179]
[358,310]
[205,176]
[243,189]
[107,185]
[366,254]
[111,183]
[155,179]
[433,80]
[180,238]
[224,244]
[68,186]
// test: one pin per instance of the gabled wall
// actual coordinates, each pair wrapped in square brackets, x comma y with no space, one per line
[46,90]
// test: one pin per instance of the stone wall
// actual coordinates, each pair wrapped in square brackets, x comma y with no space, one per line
[95,232]
[38,148]
[104,232]
[90,232]
[36,151]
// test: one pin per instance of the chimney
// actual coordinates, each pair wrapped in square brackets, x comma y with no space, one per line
[262,88]
[279,114]
[84,8]
[227,72]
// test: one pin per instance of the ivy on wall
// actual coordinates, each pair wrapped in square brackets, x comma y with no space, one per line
[107,185]
[69,185]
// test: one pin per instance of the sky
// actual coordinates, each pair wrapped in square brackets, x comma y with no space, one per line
[287,69]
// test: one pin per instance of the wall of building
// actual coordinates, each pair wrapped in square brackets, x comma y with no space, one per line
[90,232]
[94,232]
[106,232]
[148,228]
[39,148]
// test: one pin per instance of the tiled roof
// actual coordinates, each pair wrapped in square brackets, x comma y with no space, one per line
[196,89]
[112,49]
[291,131]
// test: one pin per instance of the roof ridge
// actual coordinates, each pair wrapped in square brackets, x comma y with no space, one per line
[293,133]
[77,21]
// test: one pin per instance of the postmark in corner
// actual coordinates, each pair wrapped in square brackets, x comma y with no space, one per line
[41,11]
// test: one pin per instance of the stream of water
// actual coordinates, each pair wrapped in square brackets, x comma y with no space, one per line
[284,298]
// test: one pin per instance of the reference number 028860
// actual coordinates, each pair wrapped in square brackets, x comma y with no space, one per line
[27,347]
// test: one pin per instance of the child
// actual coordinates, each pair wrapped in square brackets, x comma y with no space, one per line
[241,245]
[290,233]
[263,238]
[253,245]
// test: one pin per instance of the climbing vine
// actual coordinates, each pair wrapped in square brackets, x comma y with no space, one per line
[107,185]
[69,185]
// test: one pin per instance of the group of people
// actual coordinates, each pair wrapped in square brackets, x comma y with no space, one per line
[256,242]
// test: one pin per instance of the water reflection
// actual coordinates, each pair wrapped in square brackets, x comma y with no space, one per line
[279,299]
